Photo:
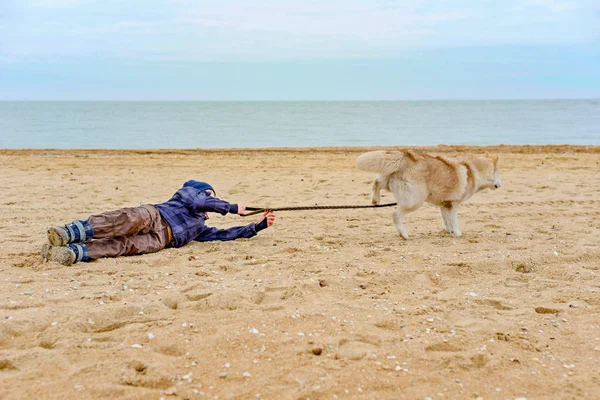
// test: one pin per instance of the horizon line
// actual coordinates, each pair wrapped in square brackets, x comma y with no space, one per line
[298,100]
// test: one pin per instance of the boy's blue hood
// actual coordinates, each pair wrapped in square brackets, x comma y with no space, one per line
[200,186]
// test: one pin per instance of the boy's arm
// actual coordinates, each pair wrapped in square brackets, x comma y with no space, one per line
[212,204]
[236,232]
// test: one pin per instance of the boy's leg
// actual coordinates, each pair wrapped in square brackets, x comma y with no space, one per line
[152,242]
[123,222]
[127,245]
[141,229]
[152,236]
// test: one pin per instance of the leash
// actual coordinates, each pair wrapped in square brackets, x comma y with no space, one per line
[257,210]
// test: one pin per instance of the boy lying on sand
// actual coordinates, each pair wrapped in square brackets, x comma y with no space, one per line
[148,228]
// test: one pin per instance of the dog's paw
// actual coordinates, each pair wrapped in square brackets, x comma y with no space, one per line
[455,233]
[403,234]
[375,198]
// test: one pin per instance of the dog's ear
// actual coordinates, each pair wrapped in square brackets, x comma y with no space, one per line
[493,159]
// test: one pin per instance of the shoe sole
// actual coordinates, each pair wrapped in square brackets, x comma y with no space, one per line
[57,237]
[59,254]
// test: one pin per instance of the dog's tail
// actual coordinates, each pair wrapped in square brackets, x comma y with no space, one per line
[383,162]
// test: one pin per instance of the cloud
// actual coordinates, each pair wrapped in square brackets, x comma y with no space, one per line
[52,3]
[554,6]
[364,24]
[256,30]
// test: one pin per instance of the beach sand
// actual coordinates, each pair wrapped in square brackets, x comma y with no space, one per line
[324,303]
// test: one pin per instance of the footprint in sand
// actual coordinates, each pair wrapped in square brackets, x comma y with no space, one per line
[152,380]
[272,298]
[356,349]
[546,310]
[498,304]
[115,317]
[226,300]
[443,346]
[390,324]
[6,365]
[425,280]
[198,294]
[169,347]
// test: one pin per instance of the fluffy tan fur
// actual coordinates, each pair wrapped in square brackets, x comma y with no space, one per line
[415,178]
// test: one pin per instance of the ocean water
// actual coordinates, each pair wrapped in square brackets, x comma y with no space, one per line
[152,125]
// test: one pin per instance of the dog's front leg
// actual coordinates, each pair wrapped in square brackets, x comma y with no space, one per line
[376,192]
[445,218]
[450,219]
[454,222]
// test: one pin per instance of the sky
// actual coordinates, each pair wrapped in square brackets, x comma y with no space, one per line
[298,49]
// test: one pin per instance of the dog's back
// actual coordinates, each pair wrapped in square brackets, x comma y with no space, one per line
[385,162]
[444,178]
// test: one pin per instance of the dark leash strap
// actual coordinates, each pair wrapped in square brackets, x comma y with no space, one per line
[257,210]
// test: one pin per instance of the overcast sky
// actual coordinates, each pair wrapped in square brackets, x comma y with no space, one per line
[298,50]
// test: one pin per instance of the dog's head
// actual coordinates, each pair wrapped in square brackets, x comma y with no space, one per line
[490,173]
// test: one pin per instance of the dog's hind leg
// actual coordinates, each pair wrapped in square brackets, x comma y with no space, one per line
[376,191]
[409,197]
[398,217]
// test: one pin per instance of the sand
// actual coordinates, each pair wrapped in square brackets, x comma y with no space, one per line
[323,305]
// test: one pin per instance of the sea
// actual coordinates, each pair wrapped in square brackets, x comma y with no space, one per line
[207,124]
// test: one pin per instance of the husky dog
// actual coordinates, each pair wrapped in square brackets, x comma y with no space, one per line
[415,178]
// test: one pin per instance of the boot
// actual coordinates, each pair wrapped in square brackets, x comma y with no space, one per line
[75,232]
[65,255]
